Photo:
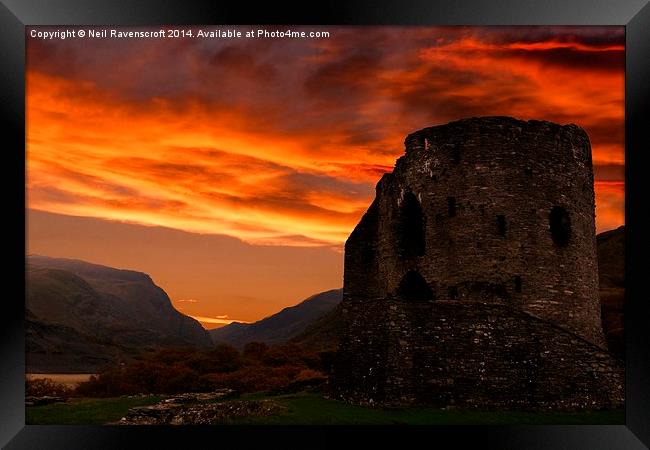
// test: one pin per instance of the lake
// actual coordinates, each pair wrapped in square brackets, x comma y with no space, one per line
[69,379]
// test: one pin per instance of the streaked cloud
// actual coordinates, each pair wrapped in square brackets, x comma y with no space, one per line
[281,142]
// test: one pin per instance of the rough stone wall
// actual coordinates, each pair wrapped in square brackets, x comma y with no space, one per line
[472,355]
[478,211]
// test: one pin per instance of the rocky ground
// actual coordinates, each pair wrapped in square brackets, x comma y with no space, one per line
[199,409]
[31,400]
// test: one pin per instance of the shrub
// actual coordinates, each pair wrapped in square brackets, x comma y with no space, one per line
[39,387]
[255,351]
[145,376]
[109,383]
[310,374]
[293,355]
[177,379]
[259,368]
[225,357]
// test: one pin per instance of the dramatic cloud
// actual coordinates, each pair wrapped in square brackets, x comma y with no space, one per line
[281,141]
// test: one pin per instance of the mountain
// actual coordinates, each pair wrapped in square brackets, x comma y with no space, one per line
[323,333]
[282,326]
[611,272]
[611,258]
[82,316]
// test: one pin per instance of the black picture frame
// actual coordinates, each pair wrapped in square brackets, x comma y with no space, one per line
[633,14]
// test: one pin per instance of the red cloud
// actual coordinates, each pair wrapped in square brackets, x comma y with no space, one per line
[282,142]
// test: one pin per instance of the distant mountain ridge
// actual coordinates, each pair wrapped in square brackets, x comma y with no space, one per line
[82,316]
[282,326]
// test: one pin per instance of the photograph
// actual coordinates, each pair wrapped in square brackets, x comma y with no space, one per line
[325,225]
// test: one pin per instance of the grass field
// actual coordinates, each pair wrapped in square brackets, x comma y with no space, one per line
[313,409]
[86,411]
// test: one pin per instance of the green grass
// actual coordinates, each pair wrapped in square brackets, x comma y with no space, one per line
[313,409]
[87,411]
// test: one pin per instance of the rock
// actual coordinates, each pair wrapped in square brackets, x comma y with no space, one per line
[43,400]
[200,397]
[199,413]
[199,409]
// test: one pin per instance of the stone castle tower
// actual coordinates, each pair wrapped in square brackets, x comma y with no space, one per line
[472,278]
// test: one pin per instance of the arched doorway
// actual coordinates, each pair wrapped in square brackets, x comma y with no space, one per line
[414,287]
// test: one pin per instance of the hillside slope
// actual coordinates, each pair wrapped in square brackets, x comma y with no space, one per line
[82,316]
[282,326]
[611,271]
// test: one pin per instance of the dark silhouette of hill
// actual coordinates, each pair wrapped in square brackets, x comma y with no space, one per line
[322,334]
[282,326]
[82,316]
[611,271]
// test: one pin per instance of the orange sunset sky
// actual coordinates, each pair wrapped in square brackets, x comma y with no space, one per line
[233,170]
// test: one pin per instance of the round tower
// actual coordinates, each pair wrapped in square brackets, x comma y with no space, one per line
[472,278]
[492,209]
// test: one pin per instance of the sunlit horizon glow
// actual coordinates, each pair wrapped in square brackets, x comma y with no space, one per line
[209,322]
[281,142]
